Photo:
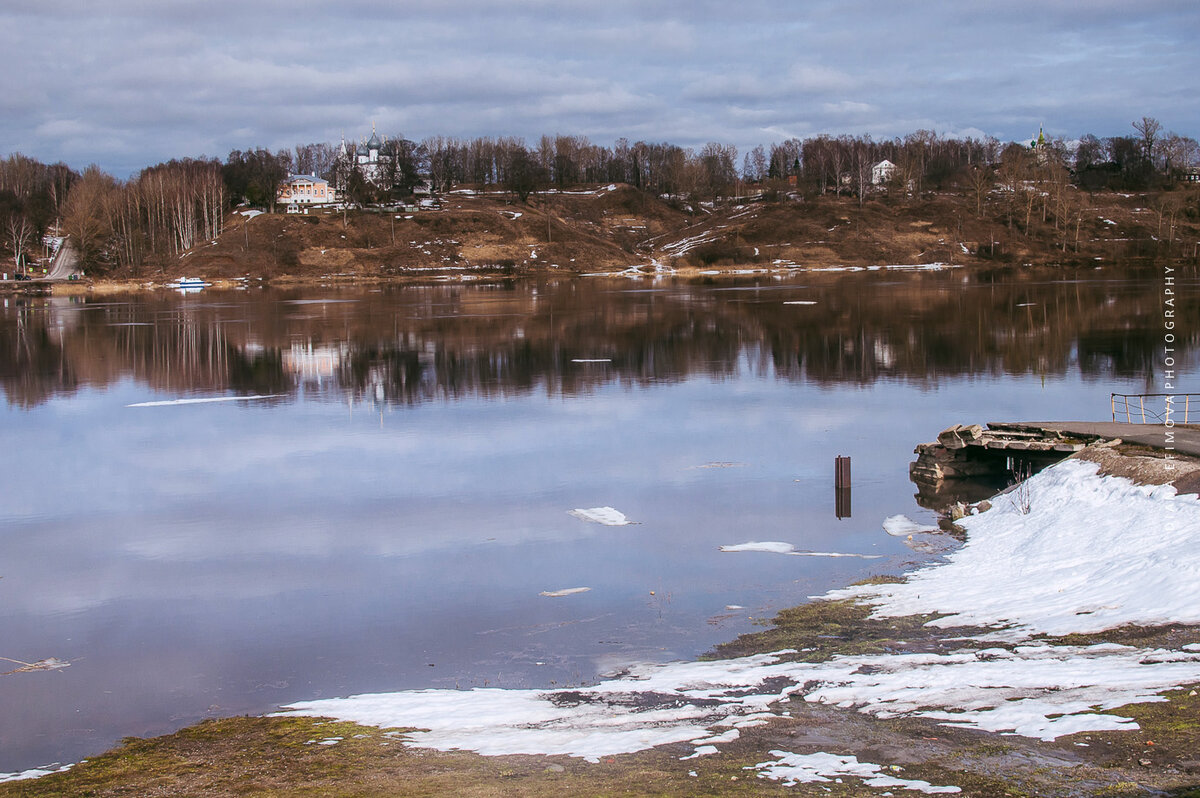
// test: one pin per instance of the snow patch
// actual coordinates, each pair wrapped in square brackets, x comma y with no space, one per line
[793,769]
[33,773]
[568,591]
[1035,691]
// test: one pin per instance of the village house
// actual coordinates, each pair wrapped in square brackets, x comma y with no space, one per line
[299,191]
[882,172]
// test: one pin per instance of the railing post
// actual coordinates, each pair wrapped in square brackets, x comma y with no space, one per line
[1142,403]
[1112,401]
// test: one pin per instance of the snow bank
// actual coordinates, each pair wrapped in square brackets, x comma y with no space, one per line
[793,769]
[1093,553]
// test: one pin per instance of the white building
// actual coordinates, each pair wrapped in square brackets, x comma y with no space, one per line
[882,172]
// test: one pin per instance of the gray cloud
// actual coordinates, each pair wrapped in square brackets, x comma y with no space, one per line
[127,83]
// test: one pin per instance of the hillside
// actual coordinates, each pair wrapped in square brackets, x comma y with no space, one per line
[613,228]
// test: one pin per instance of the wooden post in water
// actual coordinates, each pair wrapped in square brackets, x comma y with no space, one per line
[841,486]
[841,475]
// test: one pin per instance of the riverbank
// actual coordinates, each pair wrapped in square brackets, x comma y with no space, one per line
[1061,624]
[616,229]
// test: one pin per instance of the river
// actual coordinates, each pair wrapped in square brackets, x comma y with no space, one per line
[219,502]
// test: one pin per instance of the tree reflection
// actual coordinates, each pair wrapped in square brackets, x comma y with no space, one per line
[407,345]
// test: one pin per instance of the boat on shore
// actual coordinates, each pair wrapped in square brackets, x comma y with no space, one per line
[185,283]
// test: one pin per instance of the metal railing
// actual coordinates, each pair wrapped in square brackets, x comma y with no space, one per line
[1175,406]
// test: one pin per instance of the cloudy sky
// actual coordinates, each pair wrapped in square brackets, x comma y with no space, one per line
[128,83]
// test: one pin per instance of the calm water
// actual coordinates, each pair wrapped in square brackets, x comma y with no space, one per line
[388,514]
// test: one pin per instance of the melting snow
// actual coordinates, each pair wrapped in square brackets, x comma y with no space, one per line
[793,769]
[1036,691]
[1093,553]
[33,773]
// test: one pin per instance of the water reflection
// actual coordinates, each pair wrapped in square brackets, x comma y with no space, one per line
[411,345]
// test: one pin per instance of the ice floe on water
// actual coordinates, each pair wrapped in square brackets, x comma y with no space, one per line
[793,769]
[566,591]
[601,515]
[777,547]
[901,526]
[772,546]
[200,400]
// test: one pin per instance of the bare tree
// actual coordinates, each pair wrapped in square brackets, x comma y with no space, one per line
[84,219]
[1148,127]
[980,181]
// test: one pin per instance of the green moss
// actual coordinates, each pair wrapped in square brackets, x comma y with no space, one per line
[823,629]
[1171,636]
[1122,788]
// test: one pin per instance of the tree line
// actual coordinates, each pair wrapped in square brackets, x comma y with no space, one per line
[168,208]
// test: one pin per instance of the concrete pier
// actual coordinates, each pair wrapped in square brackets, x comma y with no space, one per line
[969,462]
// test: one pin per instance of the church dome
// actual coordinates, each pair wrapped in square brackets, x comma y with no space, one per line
[374,143]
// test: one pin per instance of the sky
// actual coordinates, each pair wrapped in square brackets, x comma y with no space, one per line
[129,83]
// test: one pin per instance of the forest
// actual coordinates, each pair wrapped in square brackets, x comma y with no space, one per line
[165,209]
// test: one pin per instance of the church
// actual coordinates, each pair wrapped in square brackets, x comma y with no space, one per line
[368,156]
